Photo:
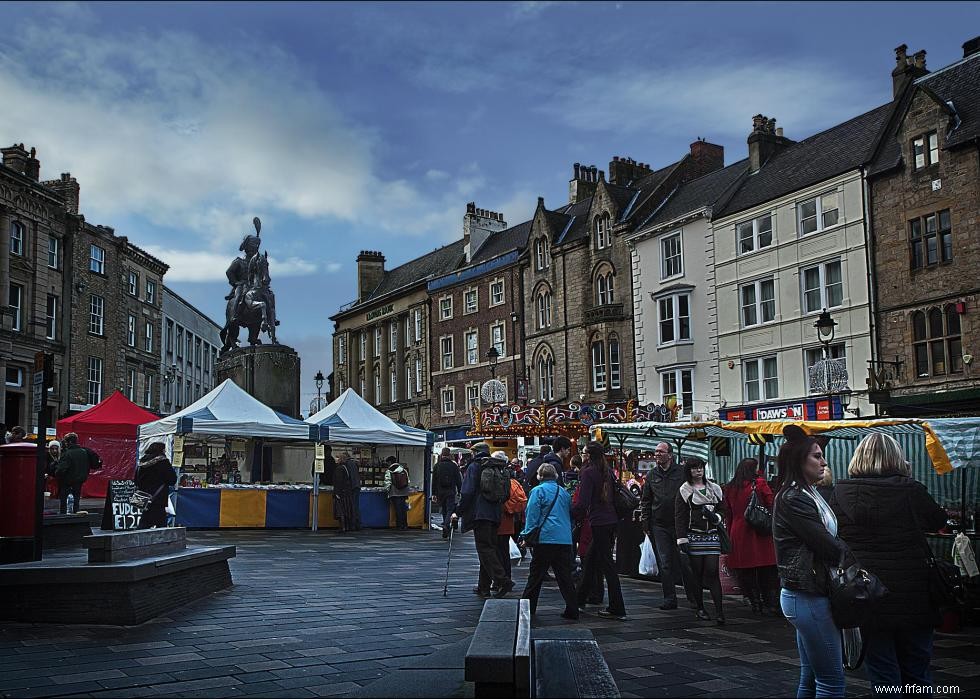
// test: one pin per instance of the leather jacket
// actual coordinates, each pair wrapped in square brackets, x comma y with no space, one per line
[657,497]
[805,550]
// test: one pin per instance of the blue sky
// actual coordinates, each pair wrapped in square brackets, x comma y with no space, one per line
[353,126]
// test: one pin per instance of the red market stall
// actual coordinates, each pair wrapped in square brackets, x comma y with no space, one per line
[110,429]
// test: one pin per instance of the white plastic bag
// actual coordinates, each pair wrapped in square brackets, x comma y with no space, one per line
[169,509]
[648,559]
[515,552]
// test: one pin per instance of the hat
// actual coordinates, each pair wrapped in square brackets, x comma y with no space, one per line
[480,447]
[499,455]
[54,443]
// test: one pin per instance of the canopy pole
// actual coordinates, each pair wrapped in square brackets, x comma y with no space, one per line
[316,495]
[963,500]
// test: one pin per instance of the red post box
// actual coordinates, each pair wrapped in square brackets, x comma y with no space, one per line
[18,480]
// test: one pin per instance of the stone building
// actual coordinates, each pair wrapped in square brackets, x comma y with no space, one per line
[474,308]
[924,198]
[577,277]
[188,353]
[35,218]
[116,318]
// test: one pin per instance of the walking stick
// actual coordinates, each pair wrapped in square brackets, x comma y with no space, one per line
[445,589]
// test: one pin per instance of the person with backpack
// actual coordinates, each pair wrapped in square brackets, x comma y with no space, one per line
[72,470]
[397,484]
[447,482]
[512,516]
[486,488]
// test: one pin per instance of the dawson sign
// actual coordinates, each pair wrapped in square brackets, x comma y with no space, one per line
[781,412]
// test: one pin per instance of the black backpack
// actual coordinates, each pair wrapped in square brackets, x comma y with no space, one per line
[624,501]
[446,471]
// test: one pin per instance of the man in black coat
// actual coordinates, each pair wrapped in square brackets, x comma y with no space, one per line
[447,481]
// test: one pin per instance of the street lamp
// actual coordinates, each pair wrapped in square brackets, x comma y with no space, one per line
[169,377]
[318,380]
[492,356]
[825,326]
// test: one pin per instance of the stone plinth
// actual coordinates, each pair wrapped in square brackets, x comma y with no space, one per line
[269,373]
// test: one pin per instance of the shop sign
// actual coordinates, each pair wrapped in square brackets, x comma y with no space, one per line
[736,415]
[823,409]
[379,312]
[781,412]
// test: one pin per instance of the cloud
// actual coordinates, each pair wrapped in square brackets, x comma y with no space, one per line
[203,266]
[530,8]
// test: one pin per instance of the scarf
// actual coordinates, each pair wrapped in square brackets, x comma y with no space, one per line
[827,515]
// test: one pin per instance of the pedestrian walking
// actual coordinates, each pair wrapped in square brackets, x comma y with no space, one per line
[696,521]
[549,513]
[72,470]
[752,558]
[596,503]
[397,485]
[343,498]
[582,535]
[154,476]
[447,482]
[486,487]
[805,534]
[882,515]
[512,516]
[657,515]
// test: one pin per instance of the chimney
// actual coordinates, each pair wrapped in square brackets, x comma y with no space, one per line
[907,68]
[583,183]
[707,157]
[764,141]
[15,158]
[971,47]
[66,188]
[370,272]
[478,225]
[622,170]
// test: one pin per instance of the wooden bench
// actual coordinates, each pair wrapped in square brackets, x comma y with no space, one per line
[498,661]
[134,544]
[571,667]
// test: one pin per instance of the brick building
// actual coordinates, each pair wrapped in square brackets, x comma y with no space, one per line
[924,202]
[474,308]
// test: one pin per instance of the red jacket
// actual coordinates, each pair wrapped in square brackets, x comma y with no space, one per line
[513,509]
[750,549]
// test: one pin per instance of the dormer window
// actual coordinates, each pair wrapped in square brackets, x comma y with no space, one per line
[925,150]
[603,234]
[541,256]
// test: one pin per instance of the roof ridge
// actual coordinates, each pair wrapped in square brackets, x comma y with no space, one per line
[925,78]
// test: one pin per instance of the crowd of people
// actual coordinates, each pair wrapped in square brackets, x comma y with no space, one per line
[562,505]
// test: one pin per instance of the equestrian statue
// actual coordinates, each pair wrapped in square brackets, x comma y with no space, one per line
[251,303]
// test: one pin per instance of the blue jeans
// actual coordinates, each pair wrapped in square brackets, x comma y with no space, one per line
[896,658]
[819,643]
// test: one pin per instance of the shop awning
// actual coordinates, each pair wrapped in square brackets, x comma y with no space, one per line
[351,419]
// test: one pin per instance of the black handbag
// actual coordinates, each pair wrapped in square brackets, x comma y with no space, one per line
[946,584]
[532,537]
[624,501]
[854,593]
[758,515]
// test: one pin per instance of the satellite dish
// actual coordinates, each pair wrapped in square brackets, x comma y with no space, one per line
[493,391]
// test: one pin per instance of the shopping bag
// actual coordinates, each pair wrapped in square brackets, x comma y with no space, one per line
[169,509]
[515,552]
[648,559]
[853,648]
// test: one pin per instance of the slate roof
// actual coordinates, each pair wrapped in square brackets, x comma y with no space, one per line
[513,238]
[706,190]
[647,186]
[820,157]
[577,215]
[621,195]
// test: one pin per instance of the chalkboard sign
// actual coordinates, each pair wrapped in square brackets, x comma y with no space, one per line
[118,512]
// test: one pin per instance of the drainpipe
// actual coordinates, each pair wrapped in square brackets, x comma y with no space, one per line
[872,267]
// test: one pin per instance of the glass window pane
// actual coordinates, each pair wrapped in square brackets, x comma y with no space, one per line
[935,323]
[915,228]
[752,370]
[765,231]
[952,321]
[955,356]
[746,242]
[932,250]
[917,255]
[933,142]
[918,152]
[938,352]
[921,360]
[947,243]
[835,285]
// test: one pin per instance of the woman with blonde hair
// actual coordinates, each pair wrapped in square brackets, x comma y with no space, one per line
[883,515]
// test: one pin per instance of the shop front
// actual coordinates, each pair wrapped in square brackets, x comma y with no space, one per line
[826,408]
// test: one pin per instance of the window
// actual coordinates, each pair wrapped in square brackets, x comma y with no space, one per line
[54,252]
[936,342]
[446,350]
[497,292]
[94,380]
[363,345]
[14,377]
[760,379]
[925,150]
[96,260]
[418,375]
[470,302]
[377,341]
[16,303]
[408,381]
[51,316]
[180,344]
[393,336]
[148,390]
[546,377]
[755,234]
[151,291]
[544,309]
[393,383]
[134,284]
[148,341]
[541,254]
[472,347]
[931,239]
[604,288]
[418,325]
[603,234]
[672,257]
[472,397]
[131,384]
[131,332]
[446,308]
[815,354]
[16,238]
[96,321]
[758,302]
[408,331]
[598,365]
[818,213]
[448,400]
[497,339]
[360,377]
[342,349]
[198,357]
[823,287]
[679,385]
[614,370]
[170,337]
[675,318]
[377,385]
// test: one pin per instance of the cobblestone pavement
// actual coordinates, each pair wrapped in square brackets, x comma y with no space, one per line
[324,615]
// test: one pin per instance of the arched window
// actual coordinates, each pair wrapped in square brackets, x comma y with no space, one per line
[393,383]
[542,256]
[601,229]
[544,308]
[615,373]
[604,286]
[546,376]
[598,351]
[936,342]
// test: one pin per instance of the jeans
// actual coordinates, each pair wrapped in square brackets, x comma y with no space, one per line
[599,561]
[669,560]
[491,567]
[401,511]
[819,643]
[898,657]
[554,556]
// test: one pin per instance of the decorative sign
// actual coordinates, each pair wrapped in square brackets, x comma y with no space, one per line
[178,459]
[378,312]
[118,512]
[572,419]
[493,391]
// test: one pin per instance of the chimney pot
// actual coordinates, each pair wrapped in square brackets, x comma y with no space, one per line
[971,47]
[900,55]
[576,167]
[779,131]
[919,59]
[541,201]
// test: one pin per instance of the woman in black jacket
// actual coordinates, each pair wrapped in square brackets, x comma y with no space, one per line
[804,530]
[154,477]
[882,515]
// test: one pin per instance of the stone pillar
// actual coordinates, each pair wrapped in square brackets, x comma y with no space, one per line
[269,373]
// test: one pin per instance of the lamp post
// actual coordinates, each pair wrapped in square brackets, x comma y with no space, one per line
[826,328]
[170,376]
[492,356]
[318,380]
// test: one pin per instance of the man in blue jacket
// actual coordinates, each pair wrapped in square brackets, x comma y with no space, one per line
[483,517]
[554,538]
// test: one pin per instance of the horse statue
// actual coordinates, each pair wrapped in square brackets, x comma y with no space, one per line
[251,302]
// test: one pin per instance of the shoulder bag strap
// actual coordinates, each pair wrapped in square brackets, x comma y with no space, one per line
[552,505]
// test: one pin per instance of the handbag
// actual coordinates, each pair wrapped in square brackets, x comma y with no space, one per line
[946,585]
[758,515]
[532,537]
[624,502]
[854,592]
[853,648]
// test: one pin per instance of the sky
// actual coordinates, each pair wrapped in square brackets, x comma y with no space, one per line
[371,125]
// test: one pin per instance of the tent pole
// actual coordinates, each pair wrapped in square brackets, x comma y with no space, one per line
[316,495]
[963,500]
